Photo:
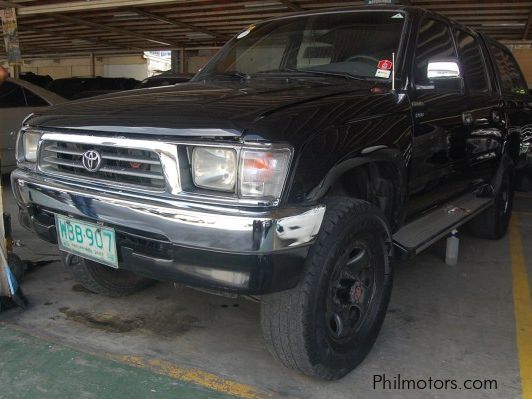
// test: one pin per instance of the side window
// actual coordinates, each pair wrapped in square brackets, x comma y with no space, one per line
[472,62]
[512,81]
[33,100]
[11,95]
[434,42]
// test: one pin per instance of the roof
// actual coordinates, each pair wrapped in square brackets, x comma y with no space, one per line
[110,26]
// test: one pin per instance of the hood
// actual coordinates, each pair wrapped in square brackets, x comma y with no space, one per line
[191,109]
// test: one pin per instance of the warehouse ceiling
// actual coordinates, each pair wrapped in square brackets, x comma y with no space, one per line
[56,27]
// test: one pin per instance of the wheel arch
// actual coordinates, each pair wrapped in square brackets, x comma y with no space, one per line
[383,172]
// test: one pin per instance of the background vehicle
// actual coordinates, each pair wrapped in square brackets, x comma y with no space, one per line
[292,167]
[71,88]
[38,80]
[18,99]
[164,79]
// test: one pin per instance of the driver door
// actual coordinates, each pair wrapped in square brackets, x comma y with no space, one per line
[438,107]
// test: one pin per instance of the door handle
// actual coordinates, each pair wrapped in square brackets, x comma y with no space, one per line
[496,116]
[467,118]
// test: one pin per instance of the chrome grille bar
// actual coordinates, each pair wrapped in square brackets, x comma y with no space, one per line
[149,175]
[56,161]
[139,159]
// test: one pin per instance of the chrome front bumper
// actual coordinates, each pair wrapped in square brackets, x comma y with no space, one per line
[187,224]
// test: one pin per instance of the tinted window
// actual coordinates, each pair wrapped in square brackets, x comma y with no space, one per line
[434,42]
[33,100]
[471,62]
[509,73]
[11,95]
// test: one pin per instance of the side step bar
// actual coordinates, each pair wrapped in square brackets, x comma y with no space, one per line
[416,236]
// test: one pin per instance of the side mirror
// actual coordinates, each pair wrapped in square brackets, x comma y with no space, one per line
[437,70]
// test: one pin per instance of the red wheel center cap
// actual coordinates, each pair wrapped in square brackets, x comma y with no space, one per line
[356,293]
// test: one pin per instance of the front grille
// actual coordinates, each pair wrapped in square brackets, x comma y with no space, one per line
[123,166]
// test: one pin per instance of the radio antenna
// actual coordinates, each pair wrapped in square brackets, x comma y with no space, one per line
[393,71]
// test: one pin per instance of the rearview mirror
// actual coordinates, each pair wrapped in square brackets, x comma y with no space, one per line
[443,70]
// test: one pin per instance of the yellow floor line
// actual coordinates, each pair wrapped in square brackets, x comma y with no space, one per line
[522,308]
[199,377]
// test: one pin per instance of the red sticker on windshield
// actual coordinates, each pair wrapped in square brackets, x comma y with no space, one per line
[385,64]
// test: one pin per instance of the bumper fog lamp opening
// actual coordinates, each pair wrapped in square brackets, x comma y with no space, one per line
[225,277]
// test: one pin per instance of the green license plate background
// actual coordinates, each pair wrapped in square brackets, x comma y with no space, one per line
[87,240]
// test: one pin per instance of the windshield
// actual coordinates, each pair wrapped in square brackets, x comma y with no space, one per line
[357,44]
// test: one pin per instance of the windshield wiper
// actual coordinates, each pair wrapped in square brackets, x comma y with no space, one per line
[233,74]
[284,71]
[345,75]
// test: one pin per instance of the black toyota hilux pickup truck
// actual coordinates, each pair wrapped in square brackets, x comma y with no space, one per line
[311,152]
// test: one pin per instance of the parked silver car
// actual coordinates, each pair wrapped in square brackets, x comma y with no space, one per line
[18,99]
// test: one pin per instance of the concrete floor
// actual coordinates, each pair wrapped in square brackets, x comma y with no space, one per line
[444,322]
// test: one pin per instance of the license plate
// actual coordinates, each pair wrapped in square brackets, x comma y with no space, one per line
[87,240]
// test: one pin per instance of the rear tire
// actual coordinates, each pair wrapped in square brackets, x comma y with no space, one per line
[493,223]
[102,279]
[326,325]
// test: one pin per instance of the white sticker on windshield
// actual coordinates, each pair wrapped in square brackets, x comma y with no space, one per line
[398,15]
[383,73]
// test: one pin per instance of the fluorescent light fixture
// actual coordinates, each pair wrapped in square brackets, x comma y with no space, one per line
[503,24]
[125,14]
[80,41]
[199,35]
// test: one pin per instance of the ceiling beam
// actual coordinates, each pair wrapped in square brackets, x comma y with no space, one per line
[528,23]
[65,53]
[86,5]
[177,23]
[22,50]
[475,5]
[8,4]
[125,32]
[70,36]
[290,5]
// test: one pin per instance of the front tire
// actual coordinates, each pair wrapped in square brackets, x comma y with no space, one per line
[326,325]
[102,279]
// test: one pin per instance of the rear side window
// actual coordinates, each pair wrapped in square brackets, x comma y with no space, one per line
[434,42]
[512,81]
[11,95]
[472,62]
[33,100]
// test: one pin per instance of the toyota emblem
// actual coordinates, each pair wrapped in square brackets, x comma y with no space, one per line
[92,160]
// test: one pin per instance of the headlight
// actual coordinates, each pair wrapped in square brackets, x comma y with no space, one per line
[263,172]
[30,142]
[246,172]
[214,168]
